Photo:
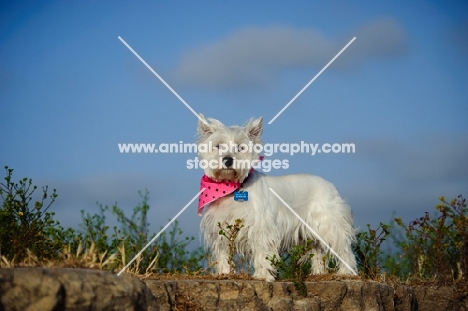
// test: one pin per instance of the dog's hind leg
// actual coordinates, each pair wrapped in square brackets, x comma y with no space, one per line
[262,248]
[348,256]
[263,268]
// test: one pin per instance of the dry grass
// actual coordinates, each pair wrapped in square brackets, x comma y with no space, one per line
[83,257]
[134,268]
[88,258]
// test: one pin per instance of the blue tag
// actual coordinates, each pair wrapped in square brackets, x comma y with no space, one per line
[241,195]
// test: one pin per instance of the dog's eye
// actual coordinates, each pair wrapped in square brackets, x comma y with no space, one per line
[241,148]
[217,146]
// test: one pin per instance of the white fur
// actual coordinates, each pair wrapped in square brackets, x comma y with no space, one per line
[270,228]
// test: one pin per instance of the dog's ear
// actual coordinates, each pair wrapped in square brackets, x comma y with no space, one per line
[255,129]
[204,129]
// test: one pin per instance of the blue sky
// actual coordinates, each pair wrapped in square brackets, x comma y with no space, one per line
[70,91]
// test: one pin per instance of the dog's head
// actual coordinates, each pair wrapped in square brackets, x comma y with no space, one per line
[227,153]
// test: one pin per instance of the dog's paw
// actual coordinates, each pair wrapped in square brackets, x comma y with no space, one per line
[263,275]
[266,279]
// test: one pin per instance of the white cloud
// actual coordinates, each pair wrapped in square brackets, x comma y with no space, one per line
[256,56]
[381,38]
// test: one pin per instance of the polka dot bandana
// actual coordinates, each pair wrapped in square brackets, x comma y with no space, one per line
[214,190]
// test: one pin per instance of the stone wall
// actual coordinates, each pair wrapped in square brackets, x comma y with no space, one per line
[80,289]
[324,295]
[45,289]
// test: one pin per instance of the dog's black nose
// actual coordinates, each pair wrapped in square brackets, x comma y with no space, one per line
[228,161]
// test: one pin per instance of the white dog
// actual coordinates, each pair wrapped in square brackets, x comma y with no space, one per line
[269,226]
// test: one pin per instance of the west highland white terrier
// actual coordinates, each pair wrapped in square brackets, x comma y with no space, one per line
[269,226]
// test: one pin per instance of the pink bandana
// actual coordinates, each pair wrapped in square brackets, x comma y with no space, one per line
[214,190]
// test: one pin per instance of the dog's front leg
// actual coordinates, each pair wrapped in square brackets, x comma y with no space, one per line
[221,256]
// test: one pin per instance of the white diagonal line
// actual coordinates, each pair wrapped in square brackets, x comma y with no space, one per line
[159,233]
[162,80]
[310,82]
[314,233]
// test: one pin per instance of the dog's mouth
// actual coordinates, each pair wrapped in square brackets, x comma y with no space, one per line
[226,174]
